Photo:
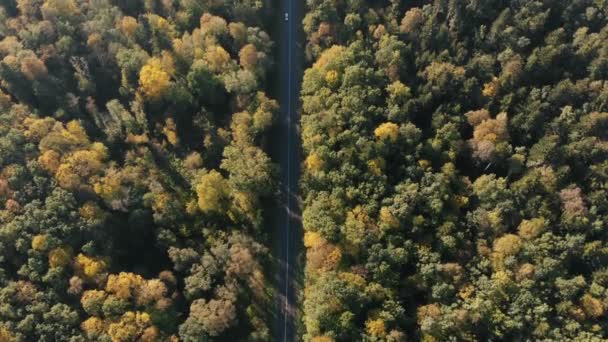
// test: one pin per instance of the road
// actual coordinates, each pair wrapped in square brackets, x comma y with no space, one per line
[287,231]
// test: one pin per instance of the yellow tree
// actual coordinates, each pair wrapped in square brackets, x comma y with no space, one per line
[376,328]
[153,80]
[40,242]
[412,20]
[133,326]
[217,59]
[77,168]
[213,192]
[170,132]
[248,56]
[127,25]
[387,131]
[313,162]
[124,285]
[59,257]
[89,267]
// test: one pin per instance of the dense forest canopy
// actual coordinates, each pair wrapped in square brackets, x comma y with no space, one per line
[133,171]
[454,184]
[456,170]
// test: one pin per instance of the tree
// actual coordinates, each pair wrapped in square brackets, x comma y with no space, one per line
[248,57]
[213,192]
[214,316]
[412,20]
[249,168]
[153,80]
[387,131]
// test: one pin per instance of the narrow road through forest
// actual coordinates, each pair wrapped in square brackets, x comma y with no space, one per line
[287,231]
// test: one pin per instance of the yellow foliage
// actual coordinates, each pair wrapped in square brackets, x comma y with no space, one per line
[333,259]
[492,130]
[76,132]
[151,291]
[167,62]
[353,279]
[494,218]
[329,55]
[529,229]
[38,128]
[424,164]
[432,311]
[525,271]
[94,40]
[124,285]
[314,163]
[137,139]
[246,202]
[331,77]
[59,257]
[387,130]
[388,218]
[217,58]
[160,24]
[462,201]
[66,178]
[436,70]
[77,168]
[5,335]
[508,244]
[501,279]
[398,91]
[39,242]
[90,267]
[376,166]
[170,132]
[490,89]
[487,134]
[376,328]
[109,186]
[241,126]
[160,201]
[429,338]
[313,239]
[413,18]
[592,306]
[92,301]
[466,291]
[212,191]
[100,149]
[248,57]
[322,339]
[93,326]
[127,26]
[154,81]
[476,117]
[90,211]
[33,68]
[192,207]
[130,326]
[60,7]
[193,161]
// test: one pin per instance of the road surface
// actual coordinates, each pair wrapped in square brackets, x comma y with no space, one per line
[287,231]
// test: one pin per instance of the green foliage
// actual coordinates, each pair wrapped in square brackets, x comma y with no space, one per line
[116,119]
[455,156]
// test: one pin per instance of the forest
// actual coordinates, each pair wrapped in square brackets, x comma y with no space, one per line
[133,170]
[455,180]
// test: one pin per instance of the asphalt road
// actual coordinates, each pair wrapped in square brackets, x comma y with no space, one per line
[287,231]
